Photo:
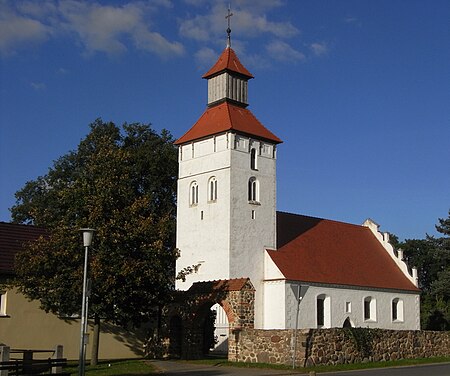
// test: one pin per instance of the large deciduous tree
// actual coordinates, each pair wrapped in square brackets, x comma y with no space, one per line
[431,256]
[121,182]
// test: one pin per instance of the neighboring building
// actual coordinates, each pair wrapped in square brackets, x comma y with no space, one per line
[23,325]
[228,227]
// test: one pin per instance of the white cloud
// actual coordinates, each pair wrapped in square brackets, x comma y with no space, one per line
[282,51]
[350,19]
[38,86]
[17,31]
[252,19]
[156,43]
[248,19]
[96,27]
[254,25]
[205,57]
[319,49]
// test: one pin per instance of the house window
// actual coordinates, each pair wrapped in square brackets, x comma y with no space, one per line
[253,190]
[253,161]
[212,189]
[397,310]
[323,315]
[2,303]
[193,194]
[370,309]
[348,307]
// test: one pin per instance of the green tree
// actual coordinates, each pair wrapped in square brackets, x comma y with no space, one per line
[121,182]
[431,256]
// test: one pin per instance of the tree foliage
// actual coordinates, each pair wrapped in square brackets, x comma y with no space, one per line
[122,182]
[431,256]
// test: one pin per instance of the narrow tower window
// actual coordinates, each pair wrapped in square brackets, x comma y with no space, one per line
[193,195]
[212,189]
[253,193]
[253,160]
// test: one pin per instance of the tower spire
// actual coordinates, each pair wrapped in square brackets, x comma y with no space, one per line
[228,17]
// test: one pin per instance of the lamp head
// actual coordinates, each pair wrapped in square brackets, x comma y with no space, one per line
[88,233]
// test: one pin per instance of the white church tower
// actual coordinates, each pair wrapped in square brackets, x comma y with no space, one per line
[226,209]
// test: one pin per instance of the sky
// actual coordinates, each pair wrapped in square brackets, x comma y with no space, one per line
[358,90]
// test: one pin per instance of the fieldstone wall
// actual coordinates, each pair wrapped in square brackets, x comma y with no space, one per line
[268,346]
[338,346]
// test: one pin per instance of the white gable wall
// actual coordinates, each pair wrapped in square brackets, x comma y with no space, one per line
[274,296]
[338,299]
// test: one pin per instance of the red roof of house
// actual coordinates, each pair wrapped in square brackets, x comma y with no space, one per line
[324,251]
[12,239]
[228,61]
[227,117]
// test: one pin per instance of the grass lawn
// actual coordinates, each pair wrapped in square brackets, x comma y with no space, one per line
[130,367]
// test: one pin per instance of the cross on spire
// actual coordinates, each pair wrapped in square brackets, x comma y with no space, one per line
[228,17]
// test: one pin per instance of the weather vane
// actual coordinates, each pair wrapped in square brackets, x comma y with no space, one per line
[228,17]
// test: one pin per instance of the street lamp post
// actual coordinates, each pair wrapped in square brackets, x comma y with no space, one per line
[294,345]
[88,233]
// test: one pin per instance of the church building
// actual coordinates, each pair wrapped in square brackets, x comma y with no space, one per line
[307,272]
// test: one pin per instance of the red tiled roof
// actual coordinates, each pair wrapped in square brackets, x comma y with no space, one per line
[228,61]
[220,285]
[324,251]
[226,117]
[12,239]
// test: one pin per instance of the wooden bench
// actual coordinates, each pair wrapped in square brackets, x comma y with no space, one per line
[18,367]
[14,362]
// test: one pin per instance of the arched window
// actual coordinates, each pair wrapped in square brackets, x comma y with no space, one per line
[212,189]
[397,310]
[323,308]
[253,190]
[253,161]
[193,193]
[370,309]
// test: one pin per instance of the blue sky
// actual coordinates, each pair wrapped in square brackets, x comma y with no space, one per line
[358,90]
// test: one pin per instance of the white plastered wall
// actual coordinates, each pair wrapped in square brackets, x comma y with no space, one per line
[227,238]
[203,230]
[274,310]
[338,299]
[250,237]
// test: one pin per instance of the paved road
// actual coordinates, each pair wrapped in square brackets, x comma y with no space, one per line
[442,369]
[170,368]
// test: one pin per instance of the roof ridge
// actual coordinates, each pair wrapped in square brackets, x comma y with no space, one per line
[324,219]
[22,224]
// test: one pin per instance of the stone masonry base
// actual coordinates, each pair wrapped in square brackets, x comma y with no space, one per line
[335,346]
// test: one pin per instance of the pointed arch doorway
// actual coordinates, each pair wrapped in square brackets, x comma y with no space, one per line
[347,323]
